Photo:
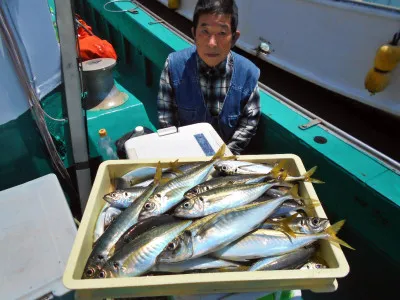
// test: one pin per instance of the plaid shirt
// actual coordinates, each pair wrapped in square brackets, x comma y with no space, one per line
[214,82]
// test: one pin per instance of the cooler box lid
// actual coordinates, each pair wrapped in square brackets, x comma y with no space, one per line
[187,141]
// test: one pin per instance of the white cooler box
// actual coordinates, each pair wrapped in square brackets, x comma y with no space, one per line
[187,141]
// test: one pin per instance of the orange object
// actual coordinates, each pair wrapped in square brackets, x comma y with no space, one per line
[90,45]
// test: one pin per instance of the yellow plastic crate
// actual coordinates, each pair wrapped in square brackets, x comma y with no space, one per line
[319,280]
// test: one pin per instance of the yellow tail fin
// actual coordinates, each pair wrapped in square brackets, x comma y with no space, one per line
[278,169]
[294,192]
[310,207]
[333,230]
[157,176]
[220,153]
[174,167]
[284,224]
[309,173]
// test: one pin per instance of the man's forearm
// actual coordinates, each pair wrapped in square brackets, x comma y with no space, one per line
[166,106]
[247,125]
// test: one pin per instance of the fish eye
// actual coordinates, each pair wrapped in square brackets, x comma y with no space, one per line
[114,195]
[224,168]
[314,221]
[171,246]
[201,198]
[126,194]
[102,274]
[148,205]
[90,272]
[100,257]
[186,205]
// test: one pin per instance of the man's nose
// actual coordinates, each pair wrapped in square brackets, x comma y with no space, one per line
[212,42]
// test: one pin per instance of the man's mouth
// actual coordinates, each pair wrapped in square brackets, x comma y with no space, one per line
[212,54]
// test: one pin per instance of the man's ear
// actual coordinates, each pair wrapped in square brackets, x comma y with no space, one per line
[193,33]
[235,37]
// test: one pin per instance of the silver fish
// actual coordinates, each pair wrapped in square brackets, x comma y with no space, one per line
[201,263]
[312,265]
[123,198]
[111,215]
[100,227]
[223,181]
[140,255]
[221,198]
[291,260]
[103,248]
[232,167]
[142,177]
[170,194]
[134,177]
[219,231]
[304,225]
[266,242]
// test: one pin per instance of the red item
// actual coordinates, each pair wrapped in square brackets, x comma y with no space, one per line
[90,45]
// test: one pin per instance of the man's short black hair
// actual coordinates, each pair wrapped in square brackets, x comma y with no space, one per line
[219,7]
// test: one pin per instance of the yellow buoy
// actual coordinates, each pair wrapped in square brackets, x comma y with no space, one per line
[376,81]
[173,4]
[387,57]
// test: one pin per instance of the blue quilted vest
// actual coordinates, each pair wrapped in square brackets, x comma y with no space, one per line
[189,98]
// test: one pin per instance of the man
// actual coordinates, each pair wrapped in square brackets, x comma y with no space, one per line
[209,82]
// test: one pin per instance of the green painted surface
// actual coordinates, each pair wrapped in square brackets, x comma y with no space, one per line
[24,156]
[116,121]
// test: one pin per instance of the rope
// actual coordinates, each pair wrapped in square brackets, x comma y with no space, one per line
[131,10]
[396,39]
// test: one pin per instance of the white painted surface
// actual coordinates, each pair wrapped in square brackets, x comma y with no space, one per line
[31,23]
[174,145]
[36,235]
[329,43]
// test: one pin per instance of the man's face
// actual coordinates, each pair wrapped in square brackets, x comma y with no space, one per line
[213,37]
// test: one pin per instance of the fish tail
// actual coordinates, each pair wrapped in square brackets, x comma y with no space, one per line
[309,173]
[294,192]
[277,170]
[310,208]
[174,167]
[333,230]
[220,153]
[157,176]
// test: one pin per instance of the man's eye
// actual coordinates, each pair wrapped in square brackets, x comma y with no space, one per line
[222,33]
[204,31]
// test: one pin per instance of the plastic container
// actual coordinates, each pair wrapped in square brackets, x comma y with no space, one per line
[106,146]
[319,280]
[37,232]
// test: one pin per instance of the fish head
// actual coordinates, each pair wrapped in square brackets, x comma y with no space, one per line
[107,273]
[198,189]
[311,265]
[93,266]
[190,208]
[111,214]
[152,206]
[179,249]
[117,196]
[226,167]
[315,225]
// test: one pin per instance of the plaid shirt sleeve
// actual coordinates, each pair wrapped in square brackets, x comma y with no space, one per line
[247,124]
[166,106]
